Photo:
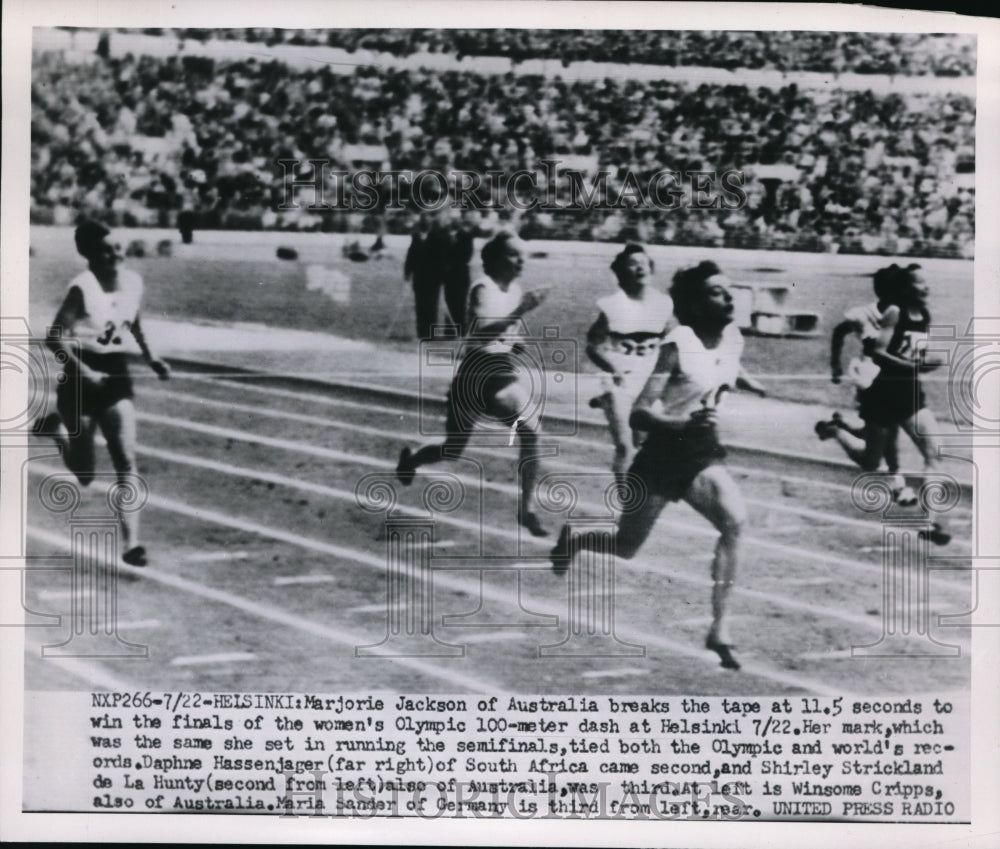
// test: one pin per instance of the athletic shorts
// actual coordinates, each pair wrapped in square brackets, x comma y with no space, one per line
[76,398]
[891,400]
[480,376]
[668,464]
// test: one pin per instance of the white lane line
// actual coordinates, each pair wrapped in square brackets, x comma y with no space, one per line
[268,612]
[476,528]
[395,412]
[214,556]
[836,654]
[293,580]
[311,397]
[613,673]
[369,608]
[298,447]
[55,595]
[825,612]
[140,625]
[318,489]
[221,657]
[493,636]
[335,424]
[88,671]
[577,441]
[474,589]
[822,611]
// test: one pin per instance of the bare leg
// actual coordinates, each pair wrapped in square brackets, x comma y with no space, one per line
[616,411]
[868,453]
[453,445]
[530,466]
[457,433]
[891,450]
[508,405]
[635,526]
[715,495]
[633,529]
[118,426]
[78,448]
[921,428]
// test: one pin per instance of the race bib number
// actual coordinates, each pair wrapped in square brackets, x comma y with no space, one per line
[910,344]
[112,333]
[631,348]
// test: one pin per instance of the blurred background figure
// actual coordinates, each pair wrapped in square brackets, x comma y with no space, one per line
[426,286]
[438,258]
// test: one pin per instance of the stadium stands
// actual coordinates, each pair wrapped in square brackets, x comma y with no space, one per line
[824,52]
[137,140]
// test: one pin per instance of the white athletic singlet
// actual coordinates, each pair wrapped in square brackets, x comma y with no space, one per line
[861,370]
[635,328]
[107,316]
[700,372]
[635,332]
[494,304]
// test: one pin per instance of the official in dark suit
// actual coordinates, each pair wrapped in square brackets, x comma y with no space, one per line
[439,258]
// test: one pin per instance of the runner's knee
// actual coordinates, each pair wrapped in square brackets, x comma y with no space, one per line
[731,520]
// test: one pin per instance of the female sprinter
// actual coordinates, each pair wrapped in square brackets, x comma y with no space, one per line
[681,455]
[867,322]
[896,397]
[490,380]
[624,342]
[101,304]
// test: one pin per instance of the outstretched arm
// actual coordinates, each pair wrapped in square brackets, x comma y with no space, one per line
[596,337]
[159,366]
[840,332]
[750,384]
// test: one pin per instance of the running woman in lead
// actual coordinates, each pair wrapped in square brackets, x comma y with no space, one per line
[681,456]
[101,305]
[624,342]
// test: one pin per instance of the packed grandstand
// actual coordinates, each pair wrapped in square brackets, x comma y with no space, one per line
[137,139]
[823,52]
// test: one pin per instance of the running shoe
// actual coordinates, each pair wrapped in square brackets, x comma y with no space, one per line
[135,556]
[533,524]
[936,534]
[904,496]
[405,470]
[598,402]
[723,651]
[560,555]
[826,430]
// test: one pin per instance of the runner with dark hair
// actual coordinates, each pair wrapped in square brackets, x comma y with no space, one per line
[681,457]
[896,397]
[624,341]
[101,305]
[867,322]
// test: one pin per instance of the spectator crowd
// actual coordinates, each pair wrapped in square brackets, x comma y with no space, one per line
[136,140]
[789,50]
